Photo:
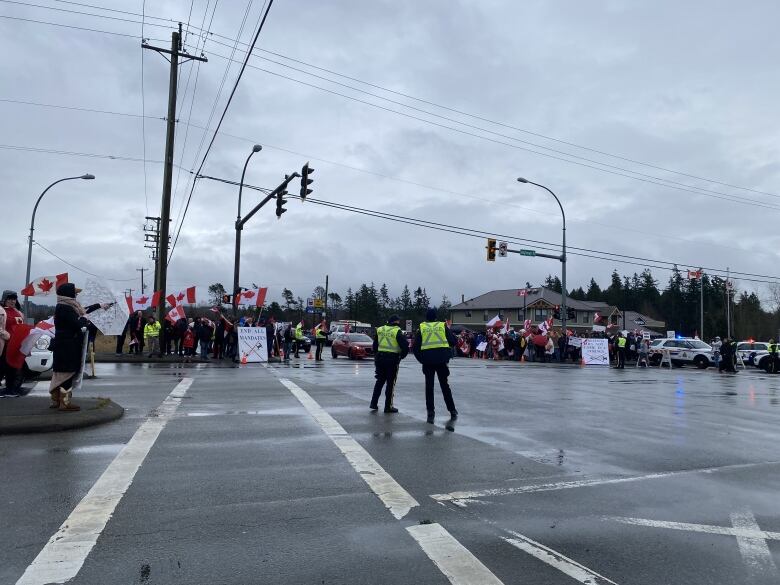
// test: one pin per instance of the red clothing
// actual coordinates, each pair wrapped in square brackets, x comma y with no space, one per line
[13,318]
[189,339]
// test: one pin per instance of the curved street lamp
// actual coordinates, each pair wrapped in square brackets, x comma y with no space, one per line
[563,252]
[239,227]
[87,177]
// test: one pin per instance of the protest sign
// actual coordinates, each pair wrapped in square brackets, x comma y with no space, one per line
[111,321]
[575,341]
[599,328]
[595,352]
[252,347]
[482,346]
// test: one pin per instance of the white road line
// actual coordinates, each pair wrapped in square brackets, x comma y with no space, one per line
[453,559]
[394,497]
[63,556]
[738,531]
[463,498]
[557,560]
[754,551]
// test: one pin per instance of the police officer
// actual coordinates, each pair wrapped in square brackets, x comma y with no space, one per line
[390,347]
[774,359]
[432,345]
[298,337]
[320,335]
[621,351]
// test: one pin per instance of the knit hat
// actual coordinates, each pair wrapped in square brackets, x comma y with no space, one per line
[394,319]
[430,314]
[68,290]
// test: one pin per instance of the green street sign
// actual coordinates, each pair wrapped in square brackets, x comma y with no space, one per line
[528,252]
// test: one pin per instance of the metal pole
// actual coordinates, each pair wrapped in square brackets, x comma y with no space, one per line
[701,305]
[525,297]
[728,303]
[325,309]
[239,228]
[32,229]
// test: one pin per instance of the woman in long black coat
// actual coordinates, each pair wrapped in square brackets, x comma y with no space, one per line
[68,345]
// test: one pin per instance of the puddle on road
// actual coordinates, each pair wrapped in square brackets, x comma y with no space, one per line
[108,449]
[296,411]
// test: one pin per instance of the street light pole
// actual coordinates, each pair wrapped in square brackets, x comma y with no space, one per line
[239,228]
[32,229]
[563,253]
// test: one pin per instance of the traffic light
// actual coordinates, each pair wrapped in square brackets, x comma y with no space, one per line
[557,312]
[491,250]
[226,299]
[306,181]
[280,203]
[571,315]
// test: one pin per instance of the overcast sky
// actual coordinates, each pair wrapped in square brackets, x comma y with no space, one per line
[689,87]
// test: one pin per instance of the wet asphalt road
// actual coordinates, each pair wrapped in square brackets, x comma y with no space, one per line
[640,476]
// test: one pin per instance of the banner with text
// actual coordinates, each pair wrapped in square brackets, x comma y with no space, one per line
[595,352]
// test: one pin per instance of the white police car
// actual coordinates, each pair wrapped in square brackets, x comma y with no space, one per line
[682,351]
[752,352]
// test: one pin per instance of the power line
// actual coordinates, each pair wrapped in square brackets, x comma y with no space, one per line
[80,13]
[78,268]
[143,113]
[222,117]
[70,26]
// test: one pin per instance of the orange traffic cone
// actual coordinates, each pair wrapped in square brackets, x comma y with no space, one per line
[243,359]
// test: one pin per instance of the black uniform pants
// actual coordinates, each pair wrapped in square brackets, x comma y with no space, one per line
[386,372]
[442,372]
[320,344]
[621,357]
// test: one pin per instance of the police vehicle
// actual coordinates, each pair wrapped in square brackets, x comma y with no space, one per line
[751,352]
[682,351]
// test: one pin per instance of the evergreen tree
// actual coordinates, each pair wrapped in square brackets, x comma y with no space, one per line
[553,283]
[405,301]
[594,292]
[614,293]
[444,308]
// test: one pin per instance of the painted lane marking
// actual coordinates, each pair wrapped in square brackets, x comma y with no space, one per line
[463,498]
[750,538]
[451,557]
[63,556]
[394,497]
[557,560]
[754,550]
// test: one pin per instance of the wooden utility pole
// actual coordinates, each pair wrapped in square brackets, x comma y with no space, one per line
[161,272]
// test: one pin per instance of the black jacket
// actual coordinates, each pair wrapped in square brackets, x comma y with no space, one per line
[68,338]
[440,355]
[381,356]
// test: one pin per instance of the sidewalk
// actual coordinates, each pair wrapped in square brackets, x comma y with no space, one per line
[31,414]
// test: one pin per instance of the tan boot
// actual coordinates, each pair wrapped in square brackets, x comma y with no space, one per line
[65,403]
[55,397]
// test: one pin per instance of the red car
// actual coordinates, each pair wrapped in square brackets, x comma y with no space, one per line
[353,345]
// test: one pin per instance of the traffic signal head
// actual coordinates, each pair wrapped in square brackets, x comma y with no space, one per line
[557,312]
[225,299]
[571,314]
[306,181]
[491,250]
[280,203]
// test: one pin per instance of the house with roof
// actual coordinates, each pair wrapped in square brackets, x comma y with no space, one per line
[539,303]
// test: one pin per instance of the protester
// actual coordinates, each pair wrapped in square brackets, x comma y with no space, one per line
[136,331]
[9,370]
[188,341]
[203,333]
[68,345]
[152,336]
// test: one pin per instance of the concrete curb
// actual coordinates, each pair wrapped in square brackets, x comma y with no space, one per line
[31,414]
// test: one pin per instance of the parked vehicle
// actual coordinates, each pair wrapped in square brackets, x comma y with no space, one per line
[341,327]
[40,359]
[353,345]
[682,351]
[752,352]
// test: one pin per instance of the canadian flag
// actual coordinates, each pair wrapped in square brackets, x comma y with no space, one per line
[694,274]
[522,292]
[545,326]
[596,317]
[143,302]
[182,297]
[495,322]
[45,285]
[175,314]
[527,324]
[254,297]
[46,326]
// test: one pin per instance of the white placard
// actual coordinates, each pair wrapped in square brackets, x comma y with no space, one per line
[252,346]
[595,352]
[408,325]
[482,346]
[670,335]
[575,341]
[599,328]
[111,321]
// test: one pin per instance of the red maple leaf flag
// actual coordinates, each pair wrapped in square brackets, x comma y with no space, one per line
[254,297]
[175,314]
[45,285]
[186,296]
[143,302]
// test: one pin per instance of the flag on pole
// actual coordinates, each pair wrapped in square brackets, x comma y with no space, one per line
[527,324]
[45,285]
[175,314]
[143,302]
[694,274]
[522,292]
[254,297]
[183,296]
[596,317]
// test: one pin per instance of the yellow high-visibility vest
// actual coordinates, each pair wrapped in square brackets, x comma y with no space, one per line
[386,334]
[621,342]
[434,335]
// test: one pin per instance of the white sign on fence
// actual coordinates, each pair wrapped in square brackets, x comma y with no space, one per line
[595,352]
[252,346]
